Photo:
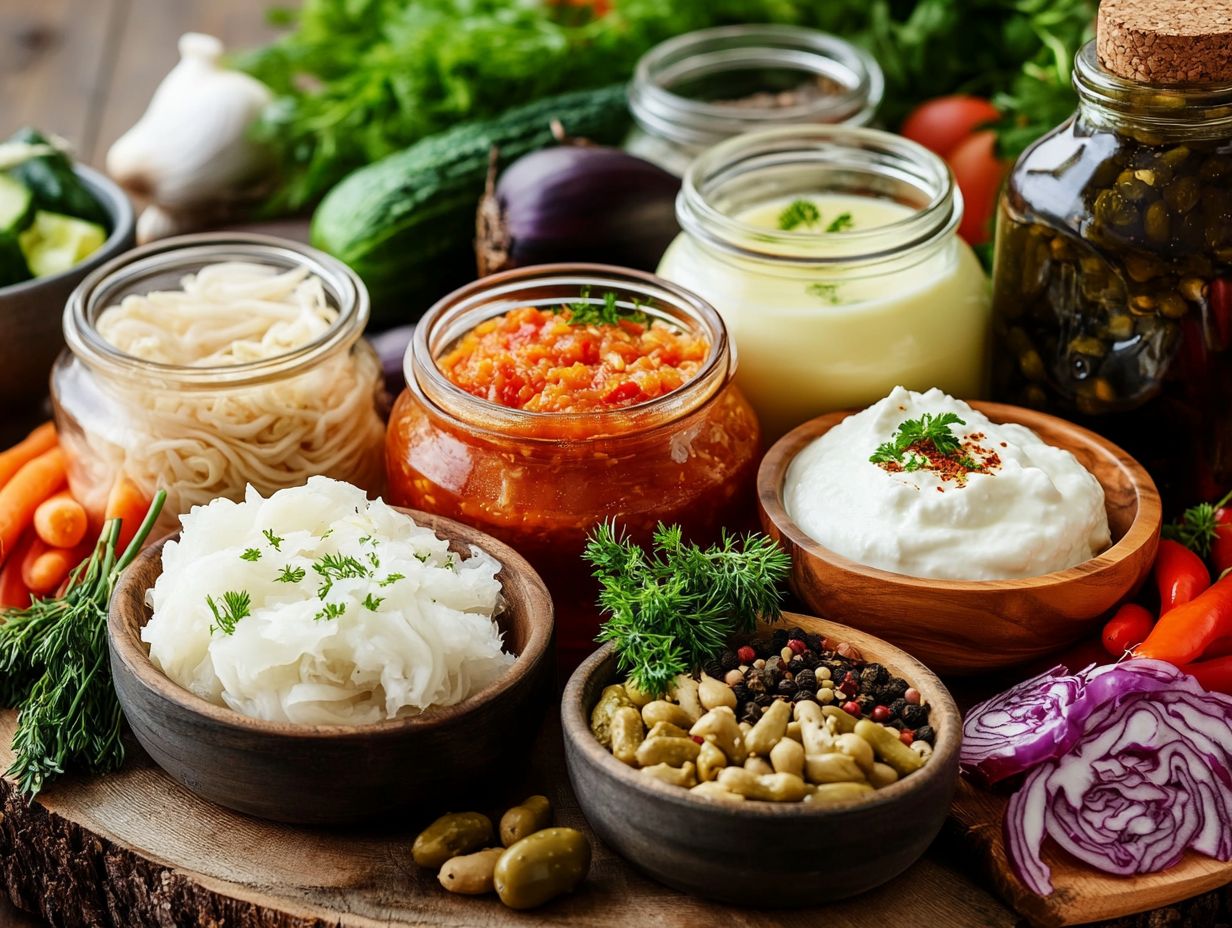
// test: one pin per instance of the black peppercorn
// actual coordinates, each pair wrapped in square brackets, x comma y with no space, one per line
[813,641]
[797,664]
[896,707]
[795,634]
[895,723]
[803,696]
[741,691]
[806,680]
[925,733]
[914,716]
[729,661]
[810,659]
[764,700]
[752,712]
[865,703]
[754,682]
[778,640]
[895,688]
[787,688]
[713,669]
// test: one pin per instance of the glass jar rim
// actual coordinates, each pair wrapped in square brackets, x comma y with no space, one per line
[1201,106]
[188,253]
[459,312]
[666,114]
[869,151]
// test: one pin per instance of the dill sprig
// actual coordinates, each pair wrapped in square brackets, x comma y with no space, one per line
[926,429]
[670,610]
[1198,526]
[587,312]
[236,605]
[799,213]
[54,668]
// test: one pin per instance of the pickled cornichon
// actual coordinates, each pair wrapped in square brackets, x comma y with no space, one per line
[1113,277]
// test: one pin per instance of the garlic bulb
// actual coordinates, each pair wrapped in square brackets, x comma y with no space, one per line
[191,149]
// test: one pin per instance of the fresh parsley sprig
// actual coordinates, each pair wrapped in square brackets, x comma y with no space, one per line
[587,312]
[928,429]
[671,609]
[805,213]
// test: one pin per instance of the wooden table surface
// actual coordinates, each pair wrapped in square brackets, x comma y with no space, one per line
[85,70]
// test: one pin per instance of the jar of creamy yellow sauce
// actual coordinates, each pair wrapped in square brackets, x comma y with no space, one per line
[831,254]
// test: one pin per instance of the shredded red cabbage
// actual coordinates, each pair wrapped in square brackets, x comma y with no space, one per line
[1145,774]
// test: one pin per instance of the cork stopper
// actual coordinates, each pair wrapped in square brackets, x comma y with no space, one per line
[1166,41]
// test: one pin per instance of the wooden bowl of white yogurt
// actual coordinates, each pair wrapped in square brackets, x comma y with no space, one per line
[1011,555]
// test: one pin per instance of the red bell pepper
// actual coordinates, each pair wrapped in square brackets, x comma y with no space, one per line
[1180,575]
[1128,628]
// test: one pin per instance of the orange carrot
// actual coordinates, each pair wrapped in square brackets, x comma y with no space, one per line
[41,440]
[13,591]
[61,521]
[33,483]
[127,503]
[45,567]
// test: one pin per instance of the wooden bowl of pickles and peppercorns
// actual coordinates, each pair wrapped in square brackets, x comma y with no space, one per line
[738,784]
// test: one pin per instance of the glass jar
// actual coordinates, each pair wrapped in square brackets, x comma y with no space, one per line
[206,432]
[542,481]
[828,320]
[701,88]
[1113,275]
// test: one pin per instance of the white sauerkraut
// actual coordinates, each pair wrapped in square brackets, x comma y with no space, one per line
[316,606]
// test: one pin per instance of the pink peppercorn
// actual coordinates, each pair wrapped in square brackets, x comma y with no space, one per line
[852,707]
[912,696]
[880,714]
[797,645]
[747,655]
[906,736]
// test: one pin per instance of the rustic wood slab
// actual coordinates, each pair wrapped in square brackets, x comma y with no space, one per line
[1083,895]
[134,849]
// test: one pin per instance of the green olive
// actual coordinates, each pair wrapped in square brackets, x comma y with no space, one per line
[671,751]
[833,768]
[451,835]
[471,874]
[534,814]
[612,698]
[627,734]
[542,866]
[889,748]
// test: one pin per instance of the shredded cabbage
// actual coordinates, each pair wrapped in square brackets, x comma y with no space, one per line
[355,614]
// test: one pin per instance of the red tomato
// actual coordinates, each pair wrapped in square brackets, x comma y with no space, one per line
[979,174]
[941,124]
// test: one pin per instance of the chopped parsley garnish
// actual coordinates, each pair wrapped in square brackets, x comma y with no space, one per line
[827,292]
[333,567]
[251,554]
[840,223]
[330,611]
[422,558]
[374,560]
[373,603]
[274,540]
[799,213]
[926,429]
[291,574]
[236,605]
[586,312]
[390,580]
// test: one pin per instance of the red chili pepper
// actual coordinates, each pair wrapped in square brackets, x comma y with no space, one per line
[1221,544]
[1179,574]
[1220,301]
[1214,675]
[1127,629]
[1183,634]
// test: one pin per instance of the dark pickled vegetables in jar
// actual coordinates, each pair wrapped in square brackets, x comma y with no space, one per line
[1113,279]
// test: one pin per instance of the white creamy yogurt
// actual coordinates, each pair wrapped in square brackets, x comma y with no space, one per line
[1030,509]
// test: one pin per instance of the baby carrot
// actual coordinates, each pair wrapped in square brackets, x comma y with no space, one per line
[13,591]
[33,483]
[42,439]
[127,503]
[61,521]
[45,567]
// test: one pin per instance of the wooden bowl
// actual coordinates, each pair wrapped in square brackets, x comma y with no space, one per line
[336,774]
[969,626]
[763,853]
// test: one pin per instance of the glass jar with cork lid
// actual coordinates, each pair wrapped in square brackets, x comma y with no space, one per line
[1113,274]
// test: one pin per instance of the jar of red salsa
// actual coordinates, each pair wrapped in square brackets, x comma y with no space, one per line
[545,400]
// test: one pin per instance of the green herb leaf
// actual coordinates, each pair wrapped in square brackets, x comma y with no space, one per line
[840,223]
[330,611]
[587,312]
[799,213]
[291,574]
[928,429]
[390,580]
[251,554]
[236,605]
[673,608]
[827,292]
[1198,526]
[373,603]
[274,540]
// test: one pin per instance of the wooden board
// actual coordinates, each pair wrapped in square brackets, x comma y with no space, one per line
[1081,894]
[134,849]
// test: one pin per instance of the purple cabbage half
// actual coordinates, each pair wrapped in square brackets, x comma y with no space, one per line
[1130,766]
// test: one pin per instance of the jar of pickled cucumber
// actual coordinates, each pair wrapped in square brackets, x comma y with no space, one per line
[1113,272]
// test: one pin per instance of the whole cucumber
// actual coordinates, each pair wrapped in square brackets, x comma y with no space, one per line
[406,223]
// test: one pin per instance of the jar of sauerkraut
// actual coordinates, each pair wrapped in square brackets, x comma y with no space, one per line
[205,363]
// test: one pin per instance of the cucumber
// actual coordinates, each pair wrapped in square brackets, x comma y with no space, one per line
[16,206]
[13,269]
[54,184]
[406,223]
[54,242]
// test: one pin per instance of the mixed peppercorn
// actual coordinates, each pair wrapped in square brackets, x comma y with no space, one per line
[797,667]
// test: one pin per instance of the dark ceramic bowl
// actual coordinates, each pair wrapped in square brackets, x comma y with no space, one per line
[31,312]
[763,853]
[340,774]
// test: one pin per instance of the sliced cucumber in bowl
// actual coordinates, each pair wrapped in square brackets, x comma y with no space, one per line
[16,205]
[53,243]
